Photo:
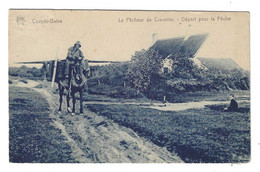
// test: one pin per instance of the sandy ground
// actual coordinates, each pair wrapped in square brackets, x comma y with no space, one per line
[94,138]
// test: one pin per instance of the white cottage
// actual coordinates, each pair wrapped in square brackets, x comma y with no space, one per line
[167,65]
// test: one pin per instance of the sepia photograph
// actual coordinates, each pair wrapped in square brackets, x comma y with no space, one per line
[118,86]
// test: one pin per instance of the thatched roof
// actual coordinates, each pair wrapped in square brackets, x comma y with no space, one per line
[219,63]
[179,45]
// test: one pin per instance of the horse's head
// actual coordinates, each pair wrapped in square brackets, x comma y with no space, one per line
[77,72]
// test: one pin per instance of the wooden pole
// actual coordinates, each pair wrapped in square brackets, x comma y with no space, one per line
[55,68]
[45,70]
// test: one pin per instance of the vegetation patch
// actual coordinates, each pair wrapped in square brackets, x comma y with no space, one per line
[32,137]
[197,135]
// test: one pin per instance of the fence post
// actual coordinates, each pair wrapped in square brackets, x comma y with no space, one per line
[55,68]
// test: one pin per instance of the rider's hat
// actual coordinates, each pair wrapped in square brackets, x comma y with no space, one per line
[78,43]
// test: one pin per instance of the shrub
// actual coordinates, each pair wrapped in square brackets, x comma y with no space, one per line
[114,91]
[23,71]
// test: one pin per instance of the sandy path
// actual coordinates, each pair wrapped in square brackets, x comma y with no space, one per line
[94,138]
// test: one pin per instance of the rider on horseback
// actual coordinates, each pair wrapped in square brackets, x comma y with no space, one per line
[75,80]
[74,56]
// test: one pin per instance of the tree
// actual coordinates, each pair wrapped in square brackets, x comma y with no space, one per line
[144,64]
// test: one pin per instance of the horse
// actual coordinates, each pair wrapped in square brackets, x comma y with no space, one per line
[76,83]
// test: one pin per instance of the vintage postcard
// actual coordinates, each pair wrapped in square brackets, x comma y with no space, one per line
[103,86]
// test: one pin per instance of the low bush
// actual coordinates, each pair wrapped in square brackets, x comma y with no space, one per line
[114,91]
[25,72]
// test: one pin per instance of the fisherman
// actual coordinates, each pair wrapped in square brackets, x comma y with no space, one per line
[233,106]
[74,55]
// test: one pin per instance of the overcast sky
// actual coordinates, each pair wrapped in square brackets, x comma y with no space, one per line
[103,37]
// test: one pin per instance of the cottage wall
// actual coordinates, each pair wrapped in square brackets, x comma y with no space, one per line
[167,65]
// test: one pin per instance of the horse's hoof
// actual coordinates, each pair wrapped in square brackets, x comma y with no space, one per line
[72,113]
[59,112]
[69,109]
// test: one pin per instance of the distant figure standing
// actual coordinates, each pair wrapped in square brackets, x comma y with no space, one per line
[233,106]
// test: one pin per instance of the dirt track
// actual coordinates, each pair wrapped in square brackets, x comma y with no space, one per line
[94,138]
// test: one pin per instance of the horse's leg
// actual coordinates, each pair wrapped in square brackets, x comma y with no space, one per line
[68,102]
[81,101]
[73,101]
[61,91]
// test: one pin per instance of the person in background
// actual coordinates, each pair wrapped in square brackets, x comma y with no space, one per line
[233,106]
